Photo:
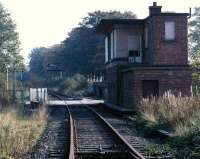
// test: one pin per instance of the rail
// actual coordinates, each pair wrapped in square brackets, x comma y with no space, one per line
[71,126]
[131,150]
[71,151]
[135,154]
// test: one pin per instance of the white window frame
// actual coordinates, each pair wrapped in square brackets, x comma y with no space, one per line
[106,49]
[169,30]
[112,44]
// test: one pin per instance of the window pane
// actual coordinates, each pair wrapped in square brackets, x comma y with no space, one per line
[169,30]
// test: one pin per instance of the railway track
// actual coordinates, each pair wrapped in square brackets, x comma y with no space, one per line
[54,143]
[93,137]
[125,128]
[68,148]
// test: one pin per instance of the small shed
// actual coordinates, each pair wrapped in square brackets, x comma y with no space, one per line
[53,72]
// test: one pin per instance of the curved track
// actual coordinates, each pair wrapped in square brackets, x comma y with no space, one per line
[91,136]
[125,127]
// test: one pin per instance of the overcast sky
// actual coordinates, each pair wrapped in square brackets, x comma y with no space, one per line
[47,22]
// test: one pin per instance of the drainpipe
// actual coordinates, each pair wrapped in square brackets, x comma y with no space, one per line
[190,13]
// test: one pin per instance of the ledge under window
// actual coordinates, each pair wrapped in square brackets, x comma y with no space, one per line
[169,40]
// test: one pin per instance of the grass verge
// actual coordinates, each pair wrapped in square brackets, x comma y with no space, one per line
[176,114]
[19,133]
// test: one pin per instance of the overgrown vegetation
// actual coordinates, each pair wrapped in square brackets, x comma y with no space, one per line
[19,133]
[3,92]
[75,86]
[178,115]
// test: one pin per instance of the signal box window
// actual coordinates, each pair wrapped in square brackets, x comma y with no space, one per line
[169,30]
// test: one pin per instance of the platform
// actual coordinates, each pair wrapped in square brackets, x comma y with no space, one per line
[84,101]
[119,109]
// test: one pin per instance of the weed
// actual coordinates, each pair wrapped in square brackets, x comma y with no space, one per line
[18,134]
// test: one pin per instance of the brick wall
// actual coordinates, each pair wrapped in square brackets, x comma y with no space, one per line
[111,83]
[114,83]
[169,79]
[128,89]
[167,52]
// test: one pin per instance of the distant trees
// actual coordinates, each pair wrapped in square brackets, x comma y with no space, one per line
[37,60]
[82,51]
[9,42]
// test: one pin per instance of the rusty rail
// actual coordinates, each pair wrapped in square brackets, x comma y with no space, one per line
[71,149]
[135,154]
[71,126]
[131,150]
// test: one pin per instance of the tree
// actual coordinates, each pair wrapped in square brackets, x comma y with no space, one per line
[83,49]
[9,42]
[41,57]
[93,18]
[36,63]
[9,50]
[81,52]
[194,35]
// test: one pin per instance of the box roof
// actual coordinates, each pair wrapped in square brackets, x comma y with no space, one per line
[107,24]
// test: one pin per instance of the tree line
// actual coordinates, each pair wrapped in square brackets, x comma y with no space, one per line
[81,52]
[10,58]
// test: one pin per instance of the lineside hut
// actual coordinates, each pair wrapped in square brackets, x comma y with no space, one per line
[145,57]
[53,72]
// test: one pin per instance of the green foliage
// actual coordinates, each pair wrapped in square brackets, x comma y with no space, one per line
[74,85]
[194,36]
[178,115]
[94,18]
[9,50]
[3,91]
[36,63]
[9,42]
[81,52]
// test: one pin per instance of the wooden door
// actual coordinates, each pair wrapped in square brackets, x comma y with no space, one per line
[150,88]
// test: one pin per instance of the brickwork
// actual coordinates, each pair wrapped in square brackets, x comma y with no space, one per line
[111,83]
[164,62]
[169,79]
[169,52]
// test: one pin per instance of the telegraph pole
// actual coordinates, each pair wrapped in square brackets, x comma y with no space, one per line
[7,79]
[22,91]
[14,85]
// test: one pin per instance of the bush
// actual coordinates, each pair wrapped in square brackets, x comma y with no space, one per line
[180,115]
[75,85]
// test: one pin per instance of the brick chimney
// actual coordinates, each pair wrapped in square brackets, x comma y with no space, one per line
[154,9]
